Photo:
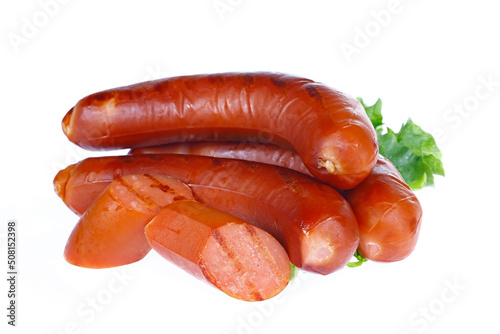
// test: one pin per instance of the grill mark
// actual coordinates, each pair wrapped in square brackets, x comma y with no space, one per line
[102,96]
[314,93]
[280,83]
[207,274]
[159,87]
[190,83]
[226,248]
[157,184]
[126,158]
[290,181]
[247,79]
[216,79]
[251,166]
[269,259]
[142,197]
[163,187]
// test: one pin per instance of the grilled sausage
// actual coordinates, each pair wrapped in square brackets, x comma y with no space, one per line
[311,220]
[388,212]
[330,130]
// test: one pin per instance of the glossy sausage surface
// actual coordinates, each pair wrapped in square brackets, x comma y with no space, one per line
[237,257]
[330,130]
[111,231]
[388,212]
[311,220]
[249,151]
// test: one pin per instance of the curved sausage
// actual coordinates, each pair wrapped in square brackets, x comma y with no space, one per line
[258,152]
[388,212]
[311,220]
[111,232]
[237,257]
[329,130]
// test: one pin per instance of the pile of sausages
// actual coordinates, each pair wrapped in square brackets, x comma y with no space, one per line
[231,176]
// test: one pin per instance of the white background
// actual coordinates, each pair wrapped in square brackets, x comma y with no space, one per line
[427,60]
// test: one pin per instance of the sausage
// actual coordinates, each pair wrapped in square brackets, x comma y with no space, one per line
[310,219]
[249,151]
[111,232]
[388,212]
[330,130]
[235,256]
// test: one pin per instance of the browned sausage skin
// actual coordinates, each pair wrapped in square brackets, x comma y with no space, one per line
[328,129]
[249,151]
[311,220]
[388,212]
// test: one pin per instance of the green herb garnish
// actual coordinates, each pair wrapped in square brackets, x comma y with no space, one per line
[412,150]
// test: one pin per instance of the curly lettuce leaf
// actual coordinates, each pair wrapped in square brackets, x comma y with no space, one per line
[374,112]
[412,150]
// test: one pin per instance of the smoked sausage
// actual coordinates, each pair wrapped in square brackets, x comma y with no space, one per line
[388,212]
[235,256]
[311,220]
[111,231]
[249,151]
[328,129]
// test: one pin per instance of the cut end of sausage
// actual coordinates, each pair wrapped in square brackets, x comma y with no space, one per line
[245,262]
[61,180]
[111,232]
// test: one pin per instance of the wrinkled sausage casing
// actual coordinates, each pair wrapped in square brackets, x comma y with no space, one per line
[311,220]
[388,212]
[330,130]
[237,257]
[258,152]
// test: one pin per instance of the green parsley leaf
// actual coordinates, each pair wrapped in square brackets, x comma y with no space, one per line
[412,150]
[374,112]
[358,263]
[294,271]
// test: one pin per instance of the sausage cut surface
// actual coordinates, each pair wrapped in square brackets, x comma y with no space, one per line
[237,257]
[111,232]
